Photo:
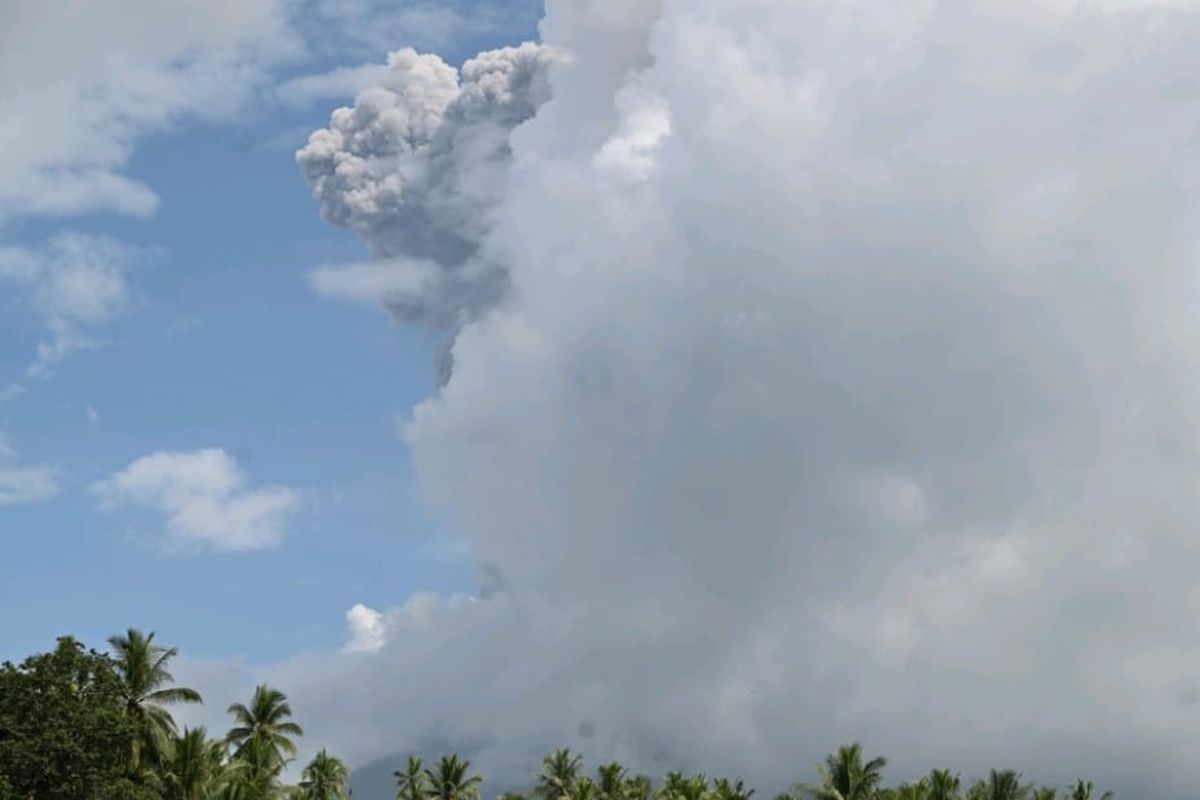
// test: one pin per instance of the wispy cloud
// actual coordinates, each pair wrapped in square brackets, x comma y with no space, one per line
[83,82]
[22,484]
[74,283]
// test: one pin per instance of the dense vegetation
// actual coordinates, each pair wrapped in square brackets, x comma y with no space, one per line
[845,775]
[77,724]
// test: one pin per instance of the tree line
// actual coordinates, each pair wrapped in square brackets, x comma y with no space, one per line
[846,775]
[78,724]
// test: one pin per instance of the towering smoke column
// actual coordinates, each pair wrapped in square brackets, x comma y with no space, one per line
[823,369]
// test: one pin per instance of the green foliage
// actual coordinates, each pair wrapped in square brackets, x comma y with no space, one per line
[560,772]
[639,788]
[944,785]
[325,778]
[147,690]
[723,789]
[450,780]
[262,730]
[1000,785]
[76,724]
[611,781]
[63,735]
[846,776]
[410,782]
[197,768]
[1082,790]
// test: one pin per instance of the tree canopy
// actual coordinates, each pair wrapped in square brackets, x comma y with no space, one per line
[79,724]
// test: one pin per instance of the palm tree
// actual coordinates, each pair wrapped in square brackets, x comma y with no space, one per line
[325,778]
[943,785]
[265,722]
[585,789]
[196,767]
[1000,785]
[410,783]
[450,780]
[146,685]
[844,776]
[560,772]
[1083,791]
[1045,793]
[672,786]
[639,787]
[680,788]
[724,790]
[611,781]
[913,791]
[254,772]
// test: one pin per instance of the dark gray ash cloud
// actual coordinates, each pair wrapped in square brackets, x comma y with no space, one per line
[415,167]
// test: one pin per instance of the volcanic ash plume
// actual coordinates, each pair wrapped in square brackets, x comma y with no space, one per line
[842,385]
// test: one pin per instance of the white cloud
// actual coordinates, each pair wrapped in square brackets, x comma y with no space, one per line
[366,629]
[645,124]
[206,500]
[81,82]
[20,485]
[370,630]
[375,282]
[338,83]
[74,282]
[867,410]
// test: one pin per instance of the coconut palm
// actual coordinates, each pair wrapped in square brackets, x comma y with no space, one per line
[254,773]
[325,778]
[146,686]
[943,785]
[450,781]
[918,790]
[560,772]
[672,786]
[1000,785]
[677,787]
[1082,790]
[196,768]
[1045,793]
[611,781]
[723,789]
[585,789]
[410,782]
[265,722]
[639,787]
[845,776]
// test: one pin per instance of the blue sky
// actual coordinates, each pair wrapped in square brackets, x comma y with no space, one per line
[225,344]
